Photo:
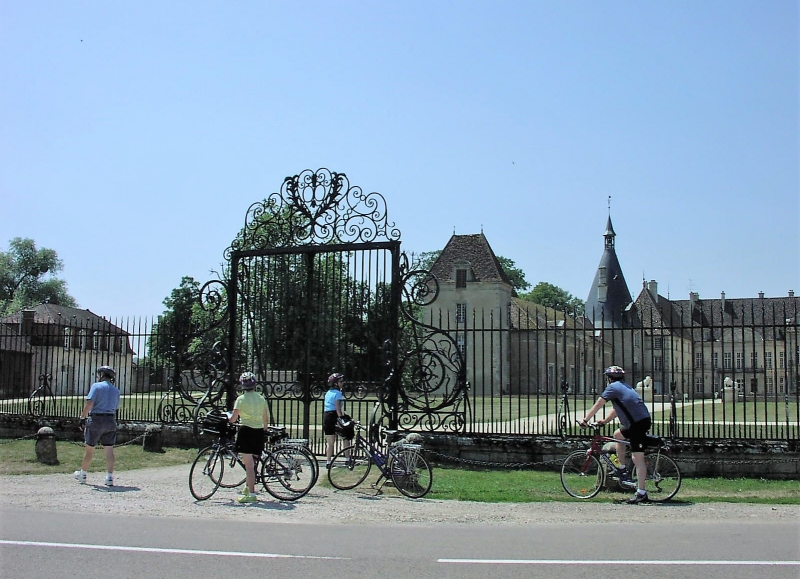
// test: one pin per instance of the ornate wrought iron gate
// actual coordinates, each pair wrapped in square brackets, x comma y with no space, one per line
[316,283]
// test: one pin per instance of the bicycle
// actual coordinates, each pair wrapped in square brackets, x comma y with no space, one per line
[585,472]
[277,440]
[402,463]
[285,471]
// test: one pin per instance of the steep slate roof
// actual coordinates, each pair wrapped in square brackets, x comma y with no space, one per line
[525,315]
[718,315]
[54,314]
[608,313]
[475,250]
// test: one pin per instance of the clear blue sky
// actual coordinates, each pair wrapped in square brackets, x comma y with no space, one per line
[134,136]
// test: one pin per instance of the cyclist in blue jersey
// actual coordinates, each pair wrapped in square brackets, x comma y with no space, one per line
[635,418]
[334,419]
[99,423]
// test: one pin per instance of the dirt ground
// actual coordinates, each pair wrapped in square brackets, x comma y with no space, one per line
[164,492]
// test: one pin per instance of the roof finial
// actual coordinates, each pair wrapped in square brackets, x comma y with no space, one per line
[609,205]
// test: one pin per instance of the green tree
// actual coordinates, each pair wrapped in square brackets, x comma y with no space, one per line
[27,277]
[515,274]
[547,294]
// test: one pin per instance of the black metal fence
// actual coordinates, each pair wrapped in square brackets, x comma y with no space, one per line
[531,370]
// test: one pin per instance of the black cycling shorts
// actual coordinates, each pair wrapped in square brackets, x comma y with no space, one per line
[637,434]
[250,440]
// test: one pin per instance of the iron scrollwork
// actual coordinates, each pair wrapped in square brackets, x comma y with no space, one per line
[315,207]
[432,373]
[200,374]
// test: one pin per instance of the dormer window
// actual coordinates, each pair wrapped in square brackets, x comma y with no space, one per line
[461,278]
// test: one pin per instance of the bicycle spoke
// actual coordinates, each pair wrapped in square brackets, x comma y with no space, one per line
[581,475]
[663,477]
[350,467]
[205,474]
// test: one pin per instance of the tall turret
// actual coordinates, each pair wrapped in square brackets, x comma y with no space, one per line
[609,295]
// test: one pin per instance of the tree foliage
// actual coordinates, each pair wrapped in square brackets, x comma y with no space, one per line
[547,294]
[27,277]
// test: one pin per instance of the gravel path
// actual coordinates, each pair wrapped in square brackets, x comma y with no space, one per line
[164,492]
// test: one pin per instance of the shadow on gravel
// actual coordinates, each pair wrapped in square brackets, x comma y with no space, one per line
[664,505]
[115,489]
[264,505]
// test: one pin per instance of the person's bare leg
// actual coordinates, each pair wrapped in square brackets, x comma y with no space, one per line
[621,447]
[88,453]
[111,458]
[641,469]
[249,467]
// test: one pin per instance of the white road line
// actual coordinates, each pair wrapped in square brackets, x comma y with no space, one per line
[157,550]
[594,562]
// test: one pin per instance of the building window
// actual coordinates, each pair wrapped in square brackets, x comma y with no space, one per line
[658,364]
[461,344]
[727,360]
[782,360]
[636,340]
[770,385]
[95,340]
[461,278]
[782,385]
[461,313]
[754,360]
[122,345]
[698,360]
[698,385]
[82,339]
[768,360]
[715,360]
[739,360]
[67,338]
[658,343]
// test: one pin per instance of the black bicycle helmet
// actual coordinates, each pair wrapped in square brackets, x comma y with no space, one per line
[107,371]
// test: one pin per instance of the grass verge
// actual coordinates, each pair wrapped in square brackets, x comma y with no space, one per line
[489,486]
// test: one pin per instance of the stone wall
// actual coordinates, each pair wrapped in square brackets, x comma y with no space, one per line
[707,458]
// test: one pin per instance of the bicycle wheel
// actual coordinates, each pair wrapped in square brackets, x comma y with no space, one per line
[581,475]
[234,474]
[287,473]
[349,468]
[411,473]
[205,474]
[312,460]
[663,477]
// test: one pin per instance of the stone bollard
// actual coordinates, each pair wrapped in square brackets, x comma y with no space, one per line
[46,452]
[153,438]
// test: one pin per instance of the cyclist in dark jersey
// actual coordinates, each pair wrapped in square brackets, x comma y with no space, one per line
[635,418]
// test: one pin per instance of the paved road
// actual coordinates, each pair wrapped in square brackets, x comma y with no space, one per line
[38,544]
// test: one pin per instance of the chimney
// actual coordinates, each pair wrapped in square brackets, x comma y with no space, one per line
[652,287]
[26,323]
[761,295]
[722,298]
[694,297]
[791,293]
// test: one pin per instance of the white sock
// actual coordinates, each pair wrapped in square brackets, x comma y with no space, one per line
[641,492]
